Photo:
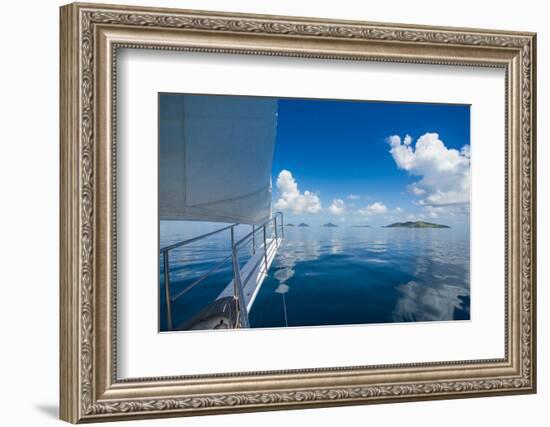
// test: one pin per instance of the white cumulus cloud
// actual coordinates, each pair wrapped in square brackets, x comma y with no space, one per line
[291,198]
[337,207]
[374,208]
[444,172]
[353,197]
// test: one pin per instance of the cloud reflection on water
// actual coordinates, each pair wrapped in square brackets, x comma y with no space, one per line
[293,252]
[420,303]
[442,277]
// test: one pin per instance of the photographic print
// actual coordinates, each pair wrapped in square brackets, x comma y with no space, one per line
[288,212]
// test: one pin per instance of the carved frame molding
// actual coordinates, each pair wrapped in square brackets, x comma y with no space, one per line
[90,37]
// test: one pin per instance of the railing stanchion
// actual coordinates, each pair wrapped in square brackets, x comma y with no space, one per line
[167,290]
[232,237]
[275,226]
[253,239]
[238,294]
[265,249]
[282,226]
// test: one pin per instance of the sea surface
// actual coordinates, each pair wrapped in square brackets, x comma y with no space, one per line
[330,276]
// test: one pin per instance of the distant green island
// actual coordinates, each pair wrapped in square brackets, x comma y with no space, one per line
[415,224]
[303,224]
[360,226]
[290,225]
[329,224]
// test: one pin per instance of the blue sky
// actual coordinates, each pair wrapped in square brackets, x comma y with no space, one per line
[371,162]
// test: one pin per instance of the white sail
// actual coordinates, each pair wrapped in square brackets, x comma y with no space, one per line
[215,157]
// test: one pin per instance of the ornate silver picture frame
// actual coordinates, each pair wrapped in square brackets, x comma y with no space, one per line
[91,37]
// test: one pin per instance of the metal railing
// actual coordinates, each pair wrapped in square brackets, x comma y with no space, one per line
[238,283]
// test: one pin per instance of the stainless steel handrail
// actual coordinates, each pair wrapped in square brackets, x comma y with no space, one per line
[202,278]
[194,239]
[257,228]
[166,262]
[242,319]
[238,295]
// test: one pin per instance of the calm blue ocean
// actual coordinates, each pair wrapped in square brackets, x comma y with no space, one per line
[332,276]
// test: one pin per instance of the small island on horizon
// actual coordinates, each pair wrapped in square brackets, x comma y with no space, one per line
[290,225]
[415,224]
[303,224]
[329,224]
[360,226]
